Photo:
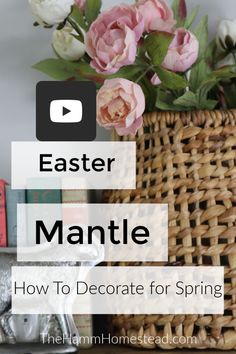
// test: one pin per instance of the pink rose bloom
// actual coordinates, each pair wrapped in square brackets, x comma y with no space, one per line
[183,51]
[155,80]
[157,14]
[112,39]
[120,104]
[80,4]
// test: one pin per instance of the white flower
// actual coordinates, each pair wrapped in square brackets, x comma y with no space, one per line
[226,37]
[50,12]
[66,45]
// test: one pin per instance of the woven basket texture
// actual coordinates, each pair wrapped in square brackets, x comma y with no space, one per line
[187,159]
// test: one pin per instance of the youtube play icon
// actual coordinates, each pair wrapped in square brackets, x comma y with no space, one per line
[66,111]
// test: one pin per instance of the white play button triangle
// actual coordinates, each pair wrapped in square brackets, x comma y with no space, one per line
[65,111]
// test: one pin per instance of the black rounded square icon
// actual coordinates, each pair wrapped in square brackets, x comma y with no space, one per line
[66,111]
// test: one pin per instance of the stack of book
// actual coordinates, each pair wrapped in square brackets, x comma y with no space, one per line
[9,199]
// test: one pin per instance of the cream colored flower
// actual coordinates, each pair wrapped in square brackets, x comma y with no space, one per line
[50,12]
[66,45]
[226,37]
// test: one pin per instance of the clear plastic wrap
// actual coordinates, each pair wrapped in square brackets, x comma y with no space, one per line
[29,328]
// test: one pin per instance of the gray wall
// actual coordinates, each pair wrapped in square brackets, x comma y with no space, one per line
[22,45]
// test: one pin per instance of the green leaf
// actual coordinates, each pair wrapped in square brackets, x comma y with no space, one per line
[164,106]
[130,72]
[201,32]
[224,73]
[165,101]
[157,45]
[230,94]
[208,104]
[188,100]
[60,69]
[175,8]
[88,73]
[78,17]
[170,79]
[205,88]
[150,94]
[192,100]
[203,80]
[203,93]
[211,55]
[92,10]
[191,18]
[199,72]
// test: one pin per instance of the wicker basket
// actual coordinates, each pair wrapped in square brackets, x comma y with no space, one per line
[188,161]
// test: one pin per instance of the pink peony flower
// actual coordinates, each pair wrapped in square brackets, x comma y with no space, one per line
[183,51]
[112,39]
[80,4]
[155,80]
[157,14]
[120,104]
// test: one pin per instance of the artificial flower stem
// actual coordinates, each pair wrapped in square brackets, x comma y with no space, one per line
[76,28]
[143,74]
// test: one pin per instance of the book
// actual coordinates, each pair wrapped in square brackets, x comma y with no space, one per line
[75,196]
[13,197]
[41,196]
[84,323]
[3,214]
